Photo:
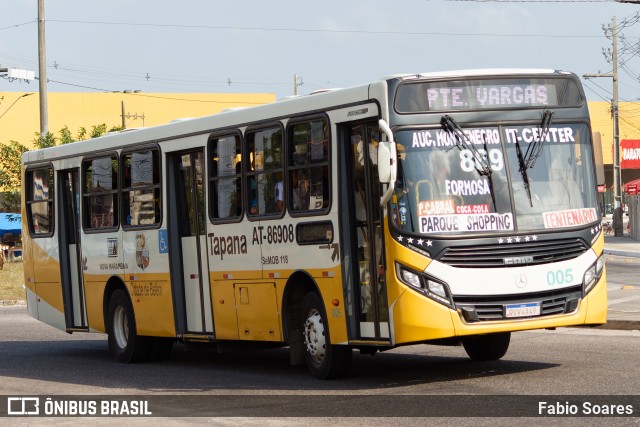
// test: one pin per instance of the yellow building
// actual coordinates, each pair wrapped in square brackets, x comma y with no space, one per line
[20,117]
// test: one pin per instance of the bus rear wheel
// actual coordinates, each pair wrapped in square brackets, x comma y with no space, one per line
[125,345]
[324,360]
[487,347]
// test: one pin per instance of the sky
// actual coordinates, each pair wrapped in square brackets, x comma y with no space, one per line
[242,46]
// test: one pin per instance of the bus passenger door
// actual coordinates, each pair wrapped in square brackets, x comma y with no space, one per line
[362,232]
[188,243]
[70,250]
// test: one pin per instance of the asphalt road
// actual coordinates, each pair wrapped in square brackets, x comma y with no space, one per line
[38,359]
[623,291]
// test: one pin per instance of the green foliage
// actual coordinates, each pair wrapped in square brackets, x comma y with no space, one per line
[98,130]
[65,136]
[82,134]
[10,156]
[46,141]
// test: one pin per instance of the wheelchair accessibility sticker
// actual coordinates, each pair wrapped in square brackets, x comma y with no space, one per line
[163,241]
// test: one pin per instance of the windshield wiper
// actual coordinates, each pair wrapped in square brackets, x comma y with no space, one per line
[535,148]
[490,177]
[523,170]
[463,142]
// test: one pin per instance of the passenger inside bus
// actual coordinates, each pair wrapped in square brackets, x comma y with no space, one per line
[279,192]
[301,193]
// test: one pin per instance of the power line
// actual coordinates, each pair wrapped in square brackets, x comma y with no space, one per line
[154,96]
[319,30]
[194,100]
[540,1]
[17,25]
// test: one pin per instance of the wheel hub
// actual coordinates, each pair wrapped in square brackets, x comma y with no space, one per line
[314,337]
[121,327]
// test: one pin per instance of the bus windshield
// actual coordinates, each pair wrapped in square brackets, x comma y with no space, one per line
[444,189]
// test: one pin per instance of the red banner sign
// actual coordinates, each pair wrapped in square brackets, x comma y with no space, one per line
[630,158]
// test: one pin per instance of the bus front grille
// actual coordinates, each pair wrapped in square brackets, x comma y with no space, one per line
[513,254]
[487,308]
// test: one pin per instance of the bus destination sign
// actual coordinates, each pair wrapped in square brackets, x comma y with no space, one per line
[486,94]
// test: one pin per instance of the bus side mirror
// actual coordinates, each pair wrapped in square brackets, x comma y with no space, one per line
[387,162]
[384,162]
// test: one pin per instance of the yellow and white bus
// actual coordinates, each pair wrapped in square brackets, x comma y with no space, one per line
[441,208]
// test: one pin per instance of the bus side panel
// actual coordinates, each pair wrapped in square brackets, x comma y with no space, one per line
[153,305]
[320,261]
[28,265]
[94,295]
[332,293]
[224,308]
[148,281]
[98,266]
[258,313]
[48,287]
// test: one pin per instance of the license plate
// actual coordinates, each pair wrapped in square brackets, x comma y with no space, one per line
[522,310]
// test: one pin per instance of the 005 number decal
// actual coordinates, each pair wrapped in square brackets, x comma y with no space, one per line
[560,277]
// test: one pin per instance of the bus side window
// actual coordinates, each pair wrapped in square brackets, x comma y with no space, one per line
[225,177]
[141,188]
[100,193]
[265,184]
[309,166]
[39,201]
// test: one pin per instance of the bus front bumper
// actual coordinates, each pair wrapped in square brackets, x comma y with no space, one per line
[417,318]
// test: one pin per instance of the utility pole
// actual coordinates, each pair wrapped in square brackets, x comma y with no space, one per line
[124,125]
[617,175]
[297,81]
[42,70]
[617,178]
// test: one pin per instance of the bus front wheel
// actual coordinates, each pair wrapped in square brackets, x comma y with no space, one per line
[125,345]
[324,360]
[487,347]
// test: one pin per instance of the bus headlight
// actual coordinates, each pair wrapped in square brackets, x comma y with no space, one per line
[592,275]
[426,285]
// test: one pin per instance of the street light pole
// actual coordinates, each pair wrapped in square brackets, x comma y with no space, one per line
[14,102]
[42,70]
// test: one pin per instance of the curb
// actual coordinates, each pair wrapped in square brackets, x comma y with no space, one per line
[621,325]
[617,252]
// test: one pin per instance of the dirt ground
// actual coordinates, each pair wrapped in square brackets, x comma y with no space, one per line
[12,283]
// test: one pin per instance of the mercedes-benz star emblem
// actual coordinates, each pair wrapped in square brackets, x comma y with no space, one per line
[521,280]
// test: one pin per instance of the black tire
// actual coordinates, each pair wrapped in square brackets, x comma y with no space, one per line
[487,347]
[125,345]
[323,359]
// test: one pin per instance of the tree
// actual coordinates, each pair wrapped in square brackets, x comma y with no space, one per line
[65,136]
[46,141]
[10,156]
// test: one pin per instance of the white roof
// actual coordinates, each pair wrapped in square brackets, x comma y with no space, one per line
[479,72]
